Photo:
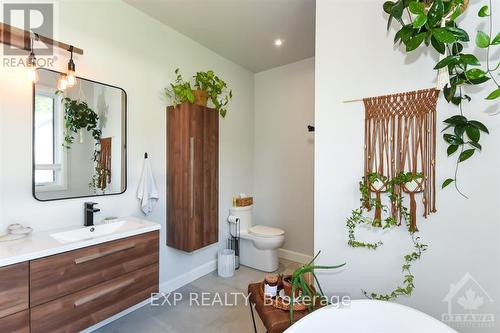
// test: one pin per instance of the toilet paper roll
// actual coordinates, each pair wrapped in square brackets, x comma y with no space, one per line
[233,219]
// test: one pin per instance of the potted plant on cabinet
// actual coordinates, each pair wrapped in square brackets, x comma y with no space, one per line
[208,86]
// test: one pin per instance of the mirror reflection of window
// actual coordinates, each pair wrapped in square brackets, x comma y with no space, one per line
[69,128]
[49,166]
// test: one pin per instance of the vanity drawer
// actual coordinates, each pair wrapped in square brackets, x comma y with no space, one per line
[13,288]
[16,323]
[75,312]
[62,274]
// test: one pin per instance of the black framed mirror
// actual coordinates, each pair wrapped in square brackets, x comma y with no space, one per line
[79,138]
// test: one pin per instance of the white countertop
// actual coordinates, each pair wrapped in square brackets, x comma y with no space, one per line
[42,244]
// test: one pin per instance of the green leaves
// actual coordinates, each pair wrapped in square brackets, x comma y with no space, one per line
[415,42]
[453,139]
[447,182]
[469,59]
[475,74]
[419,21]
[417,8]
[435,14]
[438,46]
[460,34]
[448,61]
[496,40]
[482,40]
[462,126]
[479,126]
[451,149]
[483,12]
[494,94]
[473,133]
[444,36]
[424,24]
[466,154]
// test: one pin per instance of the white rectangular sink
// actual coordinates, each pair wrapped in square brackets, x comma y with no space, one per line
[87,233]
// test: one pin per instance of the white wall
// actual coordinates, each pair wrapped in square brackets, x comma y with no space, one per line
[355,58]
[284,152]
[125,48]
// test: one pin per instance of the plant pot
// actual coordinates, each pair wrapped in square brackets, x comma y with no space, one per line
[200,97]
[287,286]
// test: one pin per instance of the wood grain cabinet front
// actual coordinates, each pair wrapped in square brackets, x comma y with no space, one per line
[77,311]
[13,288]
[192,177]
[16,323]
[62,274]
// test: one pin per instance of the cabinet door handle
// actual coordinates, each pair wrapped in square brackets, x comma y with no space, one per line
[82,260]
[191,175]
[102,293]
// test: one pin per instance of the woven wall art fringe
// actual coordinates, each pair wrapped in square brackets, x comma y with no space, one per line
[400,136]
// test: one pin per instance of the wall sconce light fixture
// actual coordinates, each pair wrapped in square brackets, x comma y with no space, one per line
[31,65]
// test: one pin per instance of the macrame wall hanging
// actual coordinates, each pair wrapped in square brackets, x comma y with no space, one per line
[400,136]
[104,164]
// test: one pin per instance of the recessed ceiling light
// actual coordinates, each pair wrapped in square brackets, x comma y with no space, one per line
[278,42]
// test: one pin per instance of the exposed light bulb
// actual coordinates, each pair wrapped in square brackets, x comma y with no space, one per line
[31,64]
[71,78]
[32,74]
[62,84]
[278,42]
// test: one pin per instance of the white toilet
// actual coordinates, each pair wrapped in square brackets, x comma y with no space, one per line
[259,244]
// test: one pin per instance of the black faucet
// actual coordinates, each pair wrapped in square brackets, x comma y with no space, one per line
[89,213]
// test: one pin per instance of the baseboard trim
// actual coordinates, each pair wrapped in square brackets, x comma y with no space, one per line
[188,277]
[294,256]
[165,287]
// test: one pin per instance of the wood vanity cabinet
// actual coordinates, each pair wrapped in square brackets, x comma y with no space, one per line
[74,290]
[14,298]
[192,176]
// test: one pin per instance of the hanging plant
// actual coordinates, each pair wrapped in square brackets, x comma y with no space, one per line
[433,23]
[78,116]
[358,218]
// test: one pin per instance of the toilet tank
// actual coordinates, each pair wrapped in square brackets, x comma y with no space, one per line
[244,214]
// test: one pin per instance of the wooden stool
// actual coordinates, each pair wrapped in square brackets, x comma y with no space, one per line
[275,320]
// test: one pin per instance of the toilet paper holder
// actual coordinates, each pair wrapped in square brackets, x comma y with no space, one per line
[233,242]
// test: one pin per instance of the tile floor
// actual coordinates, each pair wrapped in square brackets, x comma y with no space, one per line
[186,316]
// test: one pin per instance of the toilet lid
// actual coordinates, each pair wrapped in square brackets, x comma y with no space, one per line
[262,230]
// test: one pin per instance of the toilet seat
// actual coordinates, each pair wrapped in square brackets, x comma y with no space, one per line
[265,231]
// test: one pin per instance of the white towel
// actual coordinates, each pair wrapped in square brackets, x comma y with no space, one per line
[147,192]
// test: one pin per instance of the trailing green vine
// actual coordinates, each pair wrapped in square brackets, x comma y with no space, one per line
[422,23]
[358,218]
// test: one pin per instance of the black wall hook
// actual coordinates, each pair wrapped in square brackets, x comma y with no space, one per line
[310,128]
[146,155]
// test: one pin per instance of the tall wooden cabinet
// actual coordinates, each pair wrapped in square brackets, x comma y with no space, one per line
[192,176]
